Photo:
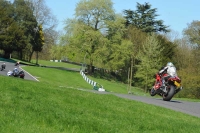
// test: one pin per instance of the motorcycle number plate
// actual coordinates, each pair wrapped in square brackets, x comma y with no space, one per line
[177,84]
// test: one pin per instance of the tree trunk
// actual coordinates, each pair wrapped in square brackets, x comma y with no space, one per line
[20,54]
[90,68]
[128,80]
[131,74]
[145,84]
[7,54]
[36,57]
[30,56]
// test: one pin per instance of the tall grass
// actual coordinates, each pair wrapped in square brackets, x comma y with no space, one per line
[41,107]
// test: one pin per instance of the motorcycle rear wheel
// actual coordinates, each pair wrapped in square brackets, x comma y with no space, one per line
[170,93]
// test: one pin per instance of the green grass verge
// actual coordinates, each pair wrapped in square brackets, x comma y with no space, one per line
[58,64]
[118,87]
[41,107]
[64,78]
[111,86]
[49,63]
[56,77]
[74,79]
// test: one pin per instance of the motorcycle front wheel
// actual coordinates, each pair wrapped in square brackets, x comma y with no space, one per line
[152,92]
[170,93]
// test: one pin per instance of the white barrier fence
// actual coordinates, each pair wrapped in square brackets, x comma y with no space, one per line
[95,85]
[55,60]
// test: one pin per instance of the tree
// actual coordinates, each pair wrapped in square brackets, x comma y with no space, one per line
[56,52]
[169,49]
[190,70]
[137,38]
[43,14]
[113,55]
[144,18]
[184,56]
[192,32]
[87,41]
[6,22]
[86,30]
[187,70]
[26,21]
[51,39]
[95,13]
[38,41]
[149,58]
[12,36]
[48,21]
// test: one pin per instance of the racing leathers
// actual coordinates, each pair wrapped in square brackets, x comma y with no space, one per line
[168,71]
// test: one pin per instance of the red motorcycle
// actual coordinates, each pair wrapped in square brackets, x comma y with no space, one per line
[171,87]
[16,73]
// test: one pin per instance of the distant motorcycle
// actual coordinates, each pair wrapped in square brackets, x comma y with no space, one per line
[17,63]
[172,86]
[16,73]
[3,66]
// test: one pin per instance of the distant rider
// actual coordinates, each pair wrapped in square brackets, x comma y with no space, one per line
[3,66]
[17,63]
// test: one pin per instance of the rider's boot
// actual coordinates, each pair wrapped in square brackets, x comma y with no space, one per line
[179,89]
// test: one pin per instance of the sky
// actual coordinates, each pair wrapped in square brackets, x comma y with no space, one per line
[175,13]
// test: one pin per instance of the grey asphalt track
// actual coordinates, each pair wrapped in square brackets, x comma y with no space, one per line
[11,66]
[191,108]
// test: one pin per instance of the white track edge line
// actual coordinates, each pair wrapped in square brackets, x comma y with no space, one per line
[29,74]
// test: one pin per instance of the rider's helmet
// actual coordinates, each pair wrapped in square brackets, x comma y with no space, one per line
[169,64]
[15,69]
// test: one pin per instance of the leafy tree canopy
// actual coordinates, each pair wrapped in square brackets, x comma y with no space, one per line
[193,33]
[144,17]
[94,13]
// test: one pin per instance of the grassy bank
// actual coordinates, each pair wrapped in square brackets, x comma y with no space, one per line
[56,77]
[74,79]
[70,79]
[49,63]
[40,107]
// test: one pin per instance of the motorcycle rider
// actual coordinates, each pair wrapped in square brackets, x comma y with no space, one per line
[15,71]
[3,66]
[17,63]
[169,71]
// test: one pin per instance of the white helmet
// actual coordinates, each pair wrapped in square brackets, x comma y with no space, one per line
[15,68]
[170,64]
